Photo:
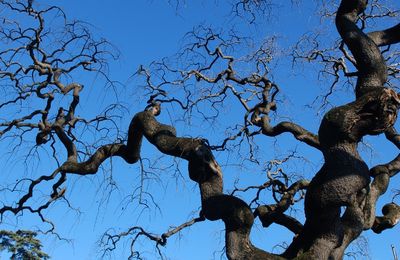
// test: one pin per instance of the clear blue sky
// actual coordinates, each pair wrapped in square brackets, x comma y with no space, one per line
[144,31]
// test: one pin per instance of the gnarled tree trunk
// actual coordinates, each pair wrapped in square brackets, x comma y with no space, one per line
[344,179]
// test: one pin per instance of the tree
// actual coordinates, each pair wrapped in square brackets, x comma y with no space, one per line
[43,59]
[22,245]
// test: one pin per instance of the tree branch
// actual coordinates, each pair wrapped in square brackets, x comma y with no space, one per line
[386,37]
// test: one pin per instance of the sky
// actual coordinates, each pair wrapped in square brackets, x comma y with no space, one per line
[144,31]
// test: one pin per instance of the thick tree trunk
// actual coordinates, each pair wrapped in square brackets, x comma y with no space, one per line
[343,181]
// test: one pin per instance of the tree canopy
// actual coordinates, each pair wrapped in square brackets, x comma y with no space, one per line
[22,244]
[251,123]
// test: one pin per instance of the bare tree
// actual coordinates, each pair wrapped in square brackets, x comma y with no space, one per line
[38,67]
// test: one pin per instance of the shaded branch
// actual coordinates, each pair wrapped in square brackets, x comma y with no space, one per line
[386,37]
[274,213]
[370,62]
[391,216]
[297,131]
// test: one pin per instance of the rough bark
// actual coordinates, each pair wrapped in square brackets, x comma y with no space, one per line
[344,178]
[203,169]
[342,183]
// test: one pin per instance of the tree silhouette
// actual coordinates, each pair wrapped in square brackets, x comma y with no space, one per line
[43,59]
[22,245]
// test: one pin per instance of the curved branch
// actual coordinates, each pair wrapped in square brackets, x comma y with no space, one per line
[394,137]
[238,220]
[274,213]
[269,217]
[370,62]
[391,168]
[386,37]
[391,216]
[203,169]
[297,131]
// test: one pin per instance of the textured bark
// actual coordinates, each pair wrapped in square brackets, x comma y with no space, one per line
[391,216]
[372,71]
[344,182]
[344,179]
[203,169]
[386,37]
